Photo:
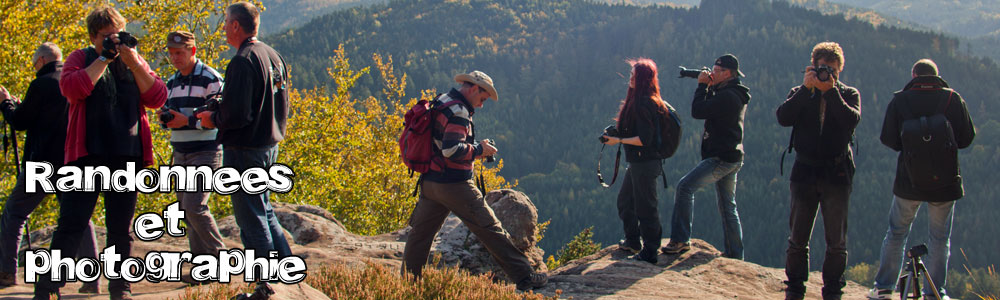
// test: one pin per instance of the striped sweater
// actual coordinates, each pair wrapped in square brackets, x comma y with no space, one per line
[185,93]
[455,145]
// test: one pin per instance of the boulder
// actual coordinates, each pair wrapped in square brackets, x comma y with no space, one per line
[456,245]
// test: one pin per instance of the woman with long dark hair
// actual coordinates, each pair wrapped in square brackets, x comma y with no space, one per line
[636,123]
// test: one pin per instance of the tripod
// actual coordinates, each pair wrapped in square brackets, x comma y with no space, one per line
[909,282]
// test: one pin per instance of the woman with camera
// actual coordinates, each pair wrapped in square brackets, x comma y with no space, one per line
[636,127]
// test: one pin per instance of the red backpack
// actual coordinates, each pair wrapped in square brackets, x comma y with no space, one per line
[416,142]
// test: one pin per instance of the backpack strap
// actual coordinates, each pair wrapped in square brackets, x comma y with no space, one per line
[943,107]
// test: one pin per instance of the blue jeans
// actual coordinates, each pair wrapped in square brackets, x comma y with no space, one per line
[901,216]
[723,174]
[259,227]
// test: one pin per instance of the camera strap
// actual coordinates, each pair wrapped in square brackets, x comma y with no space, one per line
[618,157]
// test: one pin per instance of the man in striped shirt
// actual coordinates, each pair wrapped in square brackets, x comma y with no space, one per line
[193,145]
[448,186]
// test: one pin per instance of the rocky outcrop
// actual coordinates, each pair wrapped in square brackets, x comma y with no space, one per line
[458,246]
[701,273]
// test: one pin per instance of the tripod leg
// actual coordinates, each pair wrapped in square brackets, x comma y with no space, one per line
[930,283]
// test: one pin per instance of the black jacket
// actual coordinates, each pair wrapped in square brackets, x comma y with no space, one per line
[254,106]
[722,107]
[641,125]
[43,115]
[923,95]
[822,153]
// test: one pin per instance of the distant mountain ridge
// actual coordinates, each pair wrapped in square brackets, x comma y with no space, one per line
[280,15]
[557,66]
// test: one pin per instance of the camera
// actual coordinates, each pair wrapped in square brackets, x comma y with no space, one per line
[165,115]
[917,251]
[692,73]
[823,72]
[611,130]
[124,38]
[491,158]
[211,104]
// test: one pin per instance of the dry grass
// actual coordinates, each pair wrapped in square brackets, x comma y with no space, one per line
[213,291]
[376,281]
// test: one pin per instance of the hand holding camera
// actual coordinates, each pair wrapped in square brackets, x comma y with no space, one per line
[204,112]
[820,77]
[170,118]
[121,44]
[489,150]
[610,136]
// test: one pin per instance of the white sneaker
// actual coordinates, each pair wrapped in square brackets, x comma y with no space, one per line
[879,294]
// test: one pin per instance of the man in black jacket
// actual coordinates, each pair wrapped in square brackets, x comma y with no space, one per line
[823,113]
[251,121]
[922,96]
[43,115]
[721,101]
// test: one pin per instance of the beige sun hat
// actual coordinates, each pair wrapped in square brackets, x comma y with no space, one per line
[481,79]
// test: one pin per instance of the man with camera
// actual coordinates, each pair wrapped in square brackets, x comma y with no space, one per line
[191,87]
[251,119]
[925,97]
[721,101]
[107,85]
[42,115]
[823,113]
[449,187]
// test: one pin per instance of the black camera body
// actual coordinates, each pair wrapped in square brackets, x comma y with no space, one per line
[124,38]
[165,115]
[823,72]
[691,73]
[491,158]
[611,130]
[917,251]
[211,104]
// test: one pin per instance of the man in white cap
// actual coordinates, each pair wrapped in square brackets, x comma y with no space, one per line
[448,186]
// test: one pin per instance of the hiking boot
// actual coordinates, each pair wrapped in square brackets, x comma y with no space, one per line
[7,279]
[533,281]
[790,295]
[90,288]
[630,246]
[879,294]
[676,247]
[644,257]
[121,295]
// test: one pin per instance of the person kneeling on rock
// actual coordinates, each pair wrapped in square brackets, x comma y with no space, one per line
[448,185]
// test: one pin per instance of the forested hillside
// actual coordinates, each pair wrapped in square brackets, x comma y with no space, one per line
[560,71]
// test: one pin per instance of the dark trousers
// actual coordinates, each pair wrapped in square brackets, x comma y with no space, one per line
[832,200]
[637,205]
[259,226]
[465,201]
[75,210]
[16,210]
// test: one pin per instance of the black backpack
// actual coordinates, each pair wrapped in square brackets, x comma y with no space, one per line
[930,153]
[668,132]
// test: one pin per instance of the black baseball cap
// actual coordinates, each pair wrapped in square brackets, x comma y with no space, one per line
[729,61]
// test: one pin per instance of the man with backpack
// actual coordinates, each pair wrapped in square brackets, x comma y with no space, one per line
[446,186]
[721,101]
[927,122]
[823,113]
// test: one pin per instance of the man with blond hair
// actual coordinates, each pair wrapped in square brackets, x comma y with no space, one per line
[823,113]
